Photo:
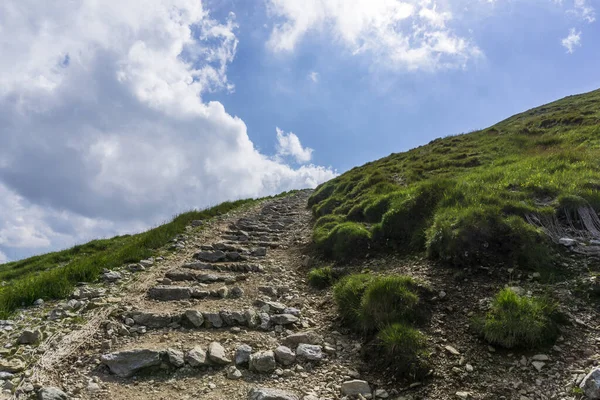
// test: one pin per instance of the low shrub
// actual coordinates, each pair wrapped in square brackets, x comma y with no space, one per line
[519,321]
[405,348]
[320,278]
[348,293]
[388,300]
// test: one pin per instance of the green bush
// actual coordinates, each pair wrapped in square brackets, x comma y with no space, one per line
[405,347]
[348,293]
[482,235]
[321,278]
[519,321]
[388,300]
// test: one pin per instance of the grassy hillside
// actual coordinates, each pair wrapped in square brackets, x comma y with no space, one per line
[53,275]
[500,195]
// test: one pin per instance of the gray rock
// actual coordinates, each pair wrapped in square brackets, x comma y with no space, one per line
[263,361]
[233,373]
[310,352]
[284,355]
[196,357]
[273,307]
[193,318]
[222,292]
[356,387]
[308,337]
[127,363]
[111,276]
[271,394]
[568,242]
[167,293]
[238,318]
[283,319]
[259,252]
[242,354]
[252,318]
[86,292]
[5,375]
[30,336]
[265,320]
[212,320]
[591,384]
[57,313]
[211,256]
[236,292]
[217,354]
[294,311]
[151,320]
[51,393]
[176,357]
[38,302]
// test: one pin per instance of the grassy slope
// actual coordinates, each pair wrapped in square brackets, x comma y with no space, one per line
[53,275]
[464,198]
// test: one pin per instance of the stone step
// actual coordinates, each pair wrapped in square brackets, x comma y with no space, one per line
[179,275]
[199,266]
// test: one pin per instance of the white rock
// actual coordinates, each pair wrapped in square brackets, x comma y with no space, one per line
[356,387]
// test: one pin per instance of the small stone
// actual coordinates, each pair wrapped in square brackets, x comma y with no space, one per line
[222,292]
[213,320]
[194,317]
[111,276]
[236,292]
[271,394]
[283,319]
[452,350]
[284,355]
[263,361]
[30,336]
[51,393]
[196,357]
[463,395]
[308,337]
[176,357]
[382,394]
[568,242]
[356,387]
[469,368]
[540,357]
[233,373]
[538,365]
[591,384]
[217,354]
[127,363]
[309,352]
[242,354]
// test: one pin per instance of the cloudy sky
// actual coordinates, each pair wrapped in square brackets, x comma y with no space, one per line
[115,115]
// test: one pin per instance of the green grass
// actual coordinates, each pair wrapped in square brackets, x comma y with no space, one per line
[348,293]
[464,199]
[519,321]
[54,275]
[405,348]
[321,278]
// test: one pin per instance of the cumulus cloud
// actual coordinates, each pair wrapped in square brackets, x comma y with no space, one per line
[288,144]
[583,10]
[572,40]
[103,123]
[404,34]
[313,76]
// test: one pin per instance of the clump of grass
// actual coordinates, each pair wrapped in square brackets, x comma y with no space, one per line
[348,293]
[59,281]
[320,278]
[388,300]
[405,347]
[342,241]
[519,321]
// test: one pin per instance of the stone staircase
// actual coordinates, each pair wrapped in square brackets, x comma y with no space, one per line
[229,322]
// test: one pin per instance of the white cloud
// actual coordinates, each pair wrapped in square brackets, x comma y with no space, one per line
[583,10]
[103,125]
[403,34]
[313,76]
[3,258]
[572,41]
[288,144]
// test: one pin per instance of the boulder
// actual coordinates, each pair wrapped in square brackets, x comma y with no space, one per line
[217,354]
[51,393]
[271,394]
[591,384]
[356,387]
[284,355]
[12,366]
[127,363]
[196,357]
[111,276]
[236,292]
[310,352]
[263,361]
[210,256]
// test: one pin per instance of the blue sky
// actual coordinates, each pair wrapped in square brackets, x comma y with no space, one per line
[169,105]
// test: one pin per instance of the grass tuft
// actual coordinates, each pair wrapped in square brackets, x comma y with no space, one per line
[348,293]
[321,278]
[519,321]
